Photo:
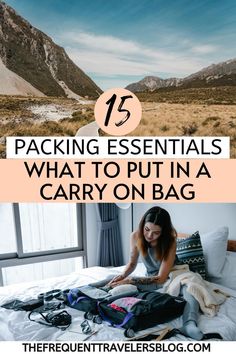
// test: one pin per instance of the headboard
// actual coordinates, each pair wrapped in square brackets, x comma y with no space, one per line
[230,247]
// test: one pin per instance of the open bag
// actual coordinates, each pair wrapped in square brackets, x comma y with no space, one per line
[145,310]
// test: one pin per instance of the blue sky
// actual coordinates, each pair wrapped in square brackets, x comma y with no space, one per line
[117,42]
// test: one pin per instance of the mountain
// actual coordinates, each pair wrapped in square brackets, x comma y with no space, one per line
[13,84]
[151,83]
[34,57]
[222,74]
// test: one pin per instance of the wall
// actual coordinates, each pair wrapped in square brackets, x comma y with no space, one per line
[186,218]
[92,234]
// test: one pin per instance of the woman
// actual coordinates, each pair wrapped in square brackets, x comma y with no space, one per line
[155,243]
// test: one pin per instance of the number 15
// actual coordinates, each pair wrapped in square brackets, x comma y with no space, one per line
[111,103]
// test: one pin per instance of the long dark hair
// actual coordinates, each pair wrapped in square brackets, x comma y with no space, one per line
[157,216]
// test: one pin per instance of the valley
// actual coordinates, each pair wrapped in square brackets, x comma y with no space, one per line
[42,116]
[188,112]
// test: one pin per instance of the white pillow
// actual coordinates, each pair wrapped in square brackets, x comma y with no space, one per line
[214,246]
[228,273]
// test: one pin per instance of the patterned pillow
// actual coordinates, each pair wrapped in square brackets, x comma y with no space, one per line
[189,251]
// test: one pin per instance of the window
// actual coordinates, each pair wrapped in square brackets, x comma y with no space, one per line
[40,271]
[47,227]
[40,237]
[7,230]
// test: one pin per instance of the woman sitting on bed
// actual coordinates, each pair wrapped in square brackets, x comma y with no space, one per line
[155,242]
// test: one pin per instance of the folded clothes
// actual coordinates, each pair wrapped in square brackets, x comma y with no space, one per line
[133,304]
[92,292]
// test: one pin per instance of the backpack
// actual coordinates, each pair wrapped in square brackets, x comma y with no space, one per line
[145,310]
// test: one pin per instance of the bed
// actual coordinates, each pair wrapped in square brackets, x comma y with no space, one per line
[15,325]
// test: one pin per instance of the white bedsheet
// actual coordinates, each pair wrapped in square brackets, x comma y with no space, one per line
[15,325]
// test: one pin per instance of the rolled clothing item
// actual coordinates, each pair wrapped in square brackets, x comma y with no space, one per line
[133,304]
[124,289]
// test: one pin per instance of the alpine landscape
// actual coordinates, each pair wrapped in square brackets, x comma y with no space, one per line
[202,104]
[42,92]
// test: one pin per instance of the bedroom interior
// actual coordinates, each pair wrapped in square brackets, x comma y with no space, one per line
[74,245]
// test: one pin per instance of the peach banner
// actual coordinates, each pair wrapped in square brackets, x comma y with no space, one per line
[116,181]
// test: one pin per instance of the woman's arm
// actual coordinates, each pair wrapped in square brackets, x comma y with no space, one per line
[167,264]
[134,253]
[163,273]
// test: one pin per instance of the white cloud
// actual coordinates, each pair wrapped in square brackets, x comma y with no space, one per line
[105,43]
[106,63]
[204,49]
[108,55]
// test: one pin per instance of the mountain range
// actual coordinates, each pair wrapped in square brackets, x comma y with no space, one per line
[32,64]
[222,74]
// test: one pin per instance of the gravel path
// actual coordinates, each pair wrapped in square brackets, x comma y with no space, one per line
[90,129]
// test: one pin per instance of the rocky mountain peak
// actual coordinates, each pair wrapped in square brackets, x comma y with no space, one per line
[221,74]
[31,54]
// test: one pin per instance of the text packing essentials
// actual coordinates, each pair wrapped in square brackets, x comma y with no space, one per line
[128,147]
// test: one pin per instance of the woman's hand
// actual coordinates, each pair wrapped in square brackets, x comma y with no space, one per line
[121,279]
[116,279]
[120,282]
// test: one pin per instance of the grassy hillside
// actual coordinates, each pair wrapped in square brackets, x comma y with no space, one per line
[210,95]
